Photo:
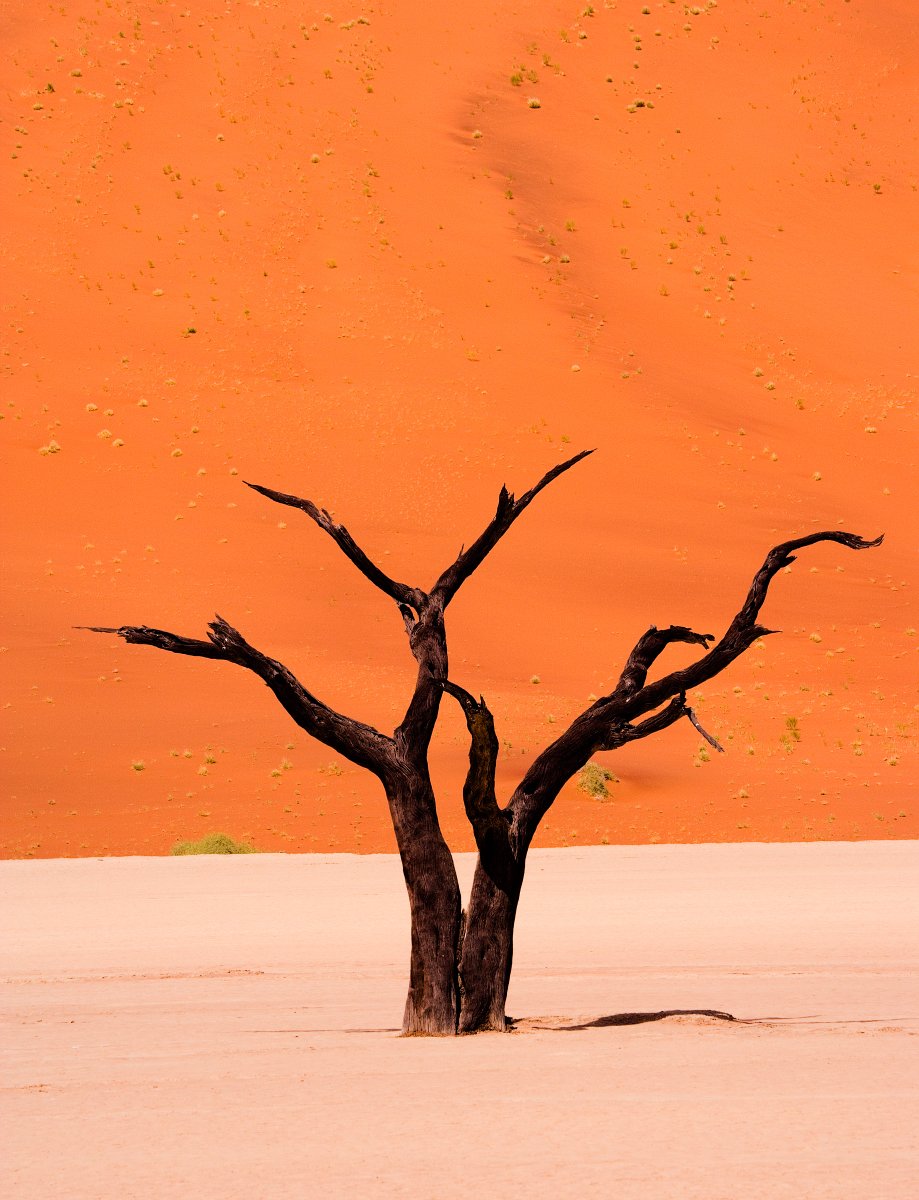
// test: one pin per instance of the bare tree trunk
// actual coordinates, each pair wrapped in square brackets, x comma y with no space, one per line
[488,947]
[432,1004]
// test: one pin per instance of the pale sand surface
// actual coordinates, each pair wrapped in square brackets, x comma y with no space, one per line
[226,1027]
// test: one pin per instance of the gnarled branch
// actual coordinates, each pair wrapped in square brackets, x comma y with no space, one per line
[609,722]
[360,743]
[646,651]
[400,592]
[743,630]
[489,823]
[621,733]
[508,511]
[677,708]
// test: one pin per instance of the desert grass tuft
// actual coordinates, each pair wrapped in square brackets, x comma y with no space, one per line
[214,843]
[593,779]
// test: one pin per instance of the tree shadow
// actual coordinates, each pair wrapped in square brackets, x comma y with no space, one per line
[641,1018]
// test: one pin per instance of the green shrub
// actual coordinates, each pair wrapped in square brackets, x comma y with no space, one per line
[593,779]
[214,843]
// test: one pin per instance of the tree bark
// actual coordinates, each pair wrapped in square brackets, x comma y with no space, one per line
[488,946]
[432,1003]
[461,964]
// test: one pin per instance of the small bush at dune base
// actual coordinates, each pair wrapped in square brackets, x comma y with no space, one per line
[593,779]
[214,843]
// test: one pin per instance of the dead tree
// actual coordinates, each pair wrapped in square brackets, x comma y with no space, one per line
[461,962]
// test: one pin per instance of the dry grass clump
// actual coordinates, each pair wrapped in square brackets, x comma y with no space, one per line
[214,843]
[593,779]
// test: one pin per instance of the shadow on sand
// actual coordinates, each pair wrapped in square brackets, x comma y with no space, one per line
[641,1018]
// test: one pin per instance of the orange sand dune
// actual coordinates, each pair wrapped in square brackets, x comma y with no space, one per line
[347,256]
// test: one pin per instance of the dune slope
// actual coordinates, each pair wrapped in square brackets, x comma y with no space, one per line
[390,260]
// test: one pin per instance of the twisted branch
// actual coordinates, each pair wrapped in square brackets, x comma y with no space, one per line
[358,742]
[489,823]
[743,630]
[646,651]
[400,592]
[621,733]
[508,511]
[609,722]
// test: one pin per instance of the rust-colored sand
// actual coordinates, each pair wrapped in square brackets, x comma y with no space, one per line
[346,258]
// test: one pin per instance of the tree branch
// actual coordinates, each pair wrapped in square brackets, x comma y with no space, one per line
[646,651]
[743,630]
[508,511]
[423,625]
[427,636]
[620,734]
[400,592]
[593,730]
[661,720]
[781,556]
[712,741]
[490,824]
[608,723]
[358,742]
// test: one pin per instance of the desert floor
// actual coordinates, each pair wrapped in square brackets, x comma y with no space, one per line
[342,254]
[226,1027]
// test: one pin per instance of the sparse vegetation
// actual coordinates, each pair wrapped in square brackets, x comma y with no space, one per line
[214,843]
[593,779]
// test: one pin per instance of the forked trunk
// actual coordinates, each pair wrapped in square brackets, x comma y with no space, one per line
[460,968]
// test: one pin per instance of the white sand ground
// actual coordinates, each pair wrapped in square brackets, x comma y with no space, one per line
[225,1027]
